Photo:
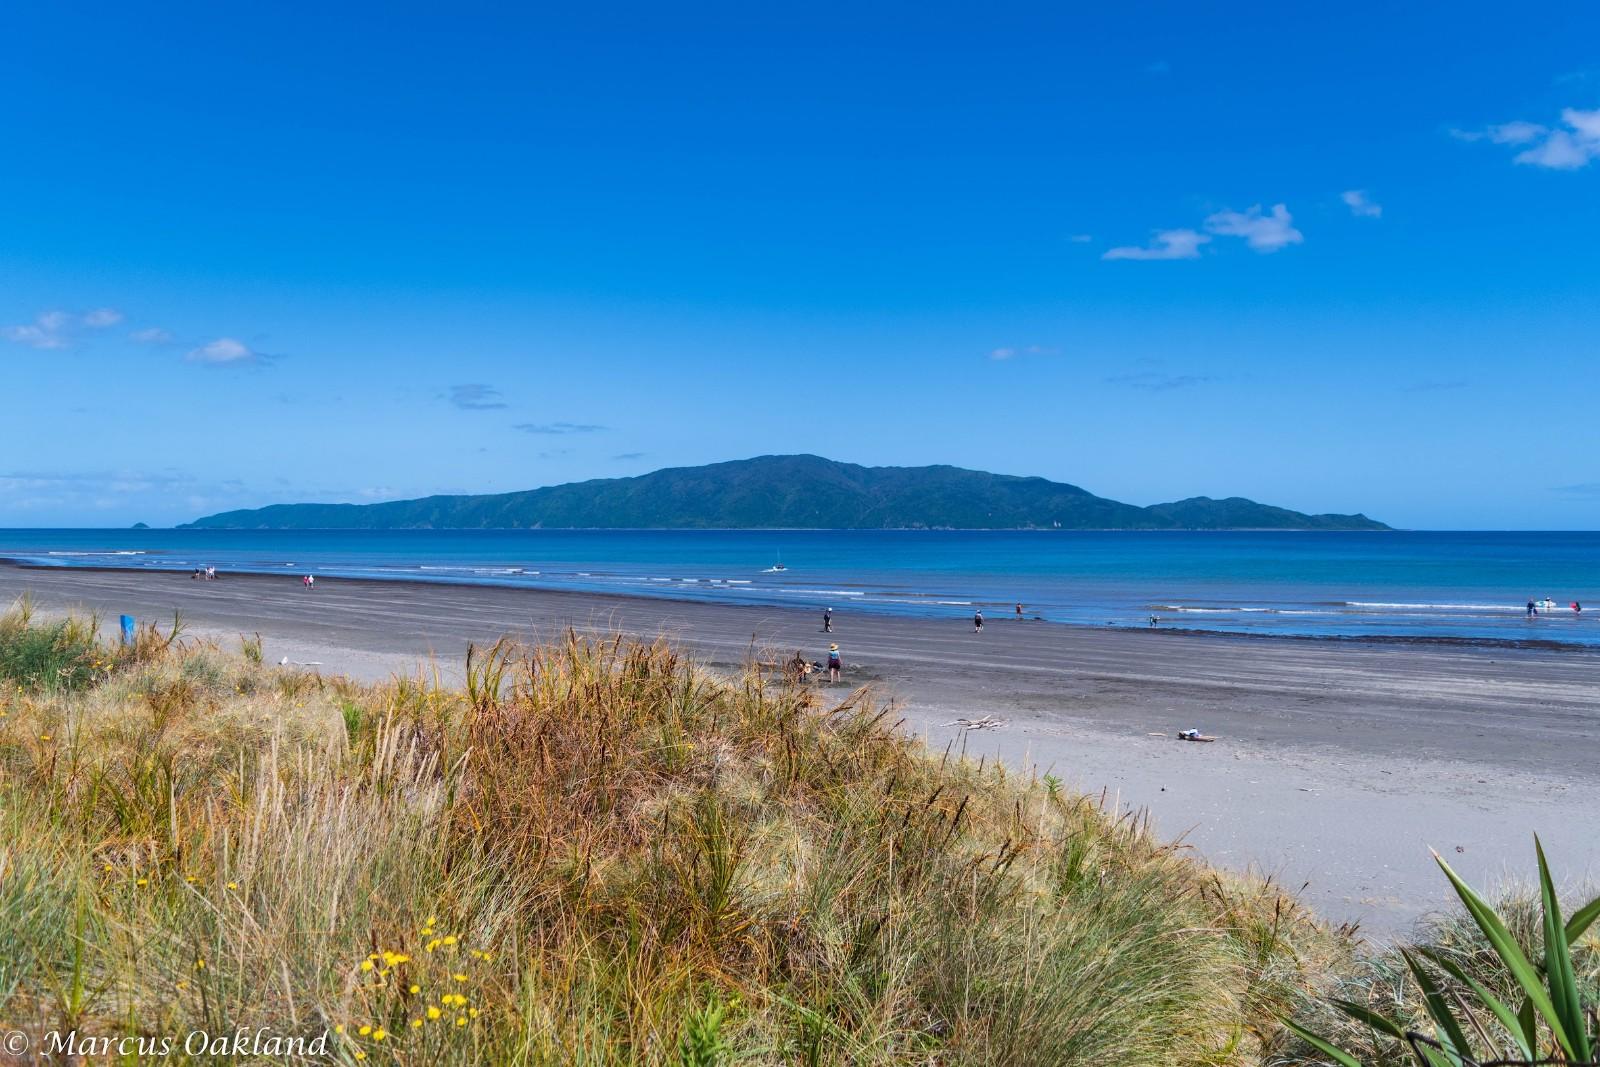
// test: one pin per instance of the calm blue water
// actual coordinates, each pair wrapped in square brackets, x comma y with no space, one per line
[1464,585]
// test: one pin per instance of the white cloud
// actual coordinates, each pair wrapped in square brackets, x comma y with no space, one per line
[1360,205]
[46,331]
[1262,232]
[152,335]
[100,318]
[1571,148]
[1166,244]
[224,352]
[1024,350]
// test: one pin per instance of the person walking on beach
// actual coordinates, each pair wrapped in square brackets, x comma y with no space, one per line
[827,620]
[835,664]
[1019,612]
[1532,609]
[977,622]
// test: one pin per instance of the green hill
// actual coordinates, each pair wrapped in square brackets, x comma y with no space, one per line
[790,492]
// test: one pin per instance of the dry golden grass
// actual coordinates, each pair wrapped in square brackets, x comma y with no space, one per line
[596,853]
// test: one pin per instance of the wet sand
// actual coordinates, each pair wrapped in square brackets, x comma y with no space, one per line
[1338,763]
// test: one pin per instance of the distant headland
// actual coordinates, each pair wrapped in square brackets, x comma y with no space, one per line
[790,492]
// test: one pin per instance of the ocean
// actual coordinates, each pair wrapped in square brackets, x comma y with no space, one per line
[1462,585]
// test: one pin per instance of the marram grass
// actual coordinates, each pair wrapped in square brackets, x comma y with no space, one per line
[595,853]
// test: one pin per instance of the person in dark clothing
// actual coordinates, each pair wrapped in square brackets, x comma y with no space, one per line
[827,620]
[977,622]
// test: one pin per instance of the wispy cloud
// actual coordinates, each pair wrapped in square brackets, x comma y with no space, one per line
[1006,353]
[1262,231]
[226,352]
[1158,382]
[1166,244]
[1360,204]
[1583,490]
[558,427]
[152,335]
[54,329]
[626,457]
[1572,145]
[46,331]
[475,396]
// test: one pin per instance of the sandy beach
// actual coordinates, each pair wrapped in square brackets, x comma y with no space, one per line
[1338,763]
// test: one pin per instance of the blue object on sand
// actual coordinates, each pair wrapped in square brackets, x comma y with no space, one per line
[128,624]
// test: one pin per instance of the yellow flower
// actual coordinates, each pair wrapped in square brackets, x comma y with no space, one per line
[461,1020]
[109,868]
[364,1031]
[434,1013]
[142,881]
[366,965]
[199,965]
[379,1034]
[44,737]
[191,879]
[233,885]
[416,1024]
[414,990]
[459,977]
[449,939]
[360,1055]
[472,1012]
[431,945]
[339,1029]
[431,921]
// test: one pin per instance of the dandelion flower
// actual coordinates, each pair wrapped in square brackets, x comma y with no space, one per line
[449,939]
[360,1055]
[379,1034]
[233,885]
[142,881]
[416,1024]
[199,965]
[366,965]
[431,945]
[434,1013]
[364,1031]
[459,977]
[461,1020]
[339,1029]
[414,990]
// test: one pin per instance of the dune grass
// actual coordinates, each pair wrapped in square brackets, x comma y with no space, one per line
[594,852]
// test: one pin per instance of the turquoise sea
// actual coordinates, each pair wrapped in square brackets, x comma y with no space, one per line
[1471,585]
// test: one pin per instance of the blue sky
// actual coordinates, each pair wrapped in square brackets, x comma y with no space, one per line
[1334,259]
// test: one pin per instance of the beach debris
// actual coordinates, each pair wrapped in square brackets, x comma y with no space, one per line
[287,662]
[1193,735]
[988,722]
